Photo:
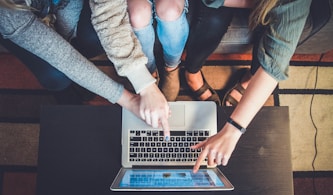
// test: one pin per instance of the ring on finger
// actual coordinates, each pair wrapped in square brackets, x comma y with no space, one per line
[219,158]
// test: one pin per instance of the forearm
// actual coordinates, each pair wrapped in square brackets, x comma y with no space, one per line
[239,3]
[126,100]
[45,43]
[259,89]
[229,3]
[111,22]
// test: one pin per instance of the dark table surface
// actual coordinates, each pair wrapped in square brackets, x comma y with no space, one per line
[80,152]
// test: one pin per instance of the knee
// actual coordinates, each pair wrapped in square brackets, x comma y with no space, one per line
[140,16]
[169,10]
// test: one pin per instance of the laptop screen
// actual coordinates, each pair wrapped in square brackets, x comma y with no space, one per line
[171,179]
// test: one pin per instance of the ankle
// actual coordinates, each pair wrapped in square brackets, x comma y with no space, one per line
[245,80]
[194,80]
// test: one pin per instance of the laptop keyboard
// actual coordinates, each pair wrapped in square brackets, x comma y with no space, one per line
[150,146]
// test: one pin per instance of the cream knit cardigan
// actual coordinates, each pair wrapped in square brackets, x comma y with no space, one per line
[111,22]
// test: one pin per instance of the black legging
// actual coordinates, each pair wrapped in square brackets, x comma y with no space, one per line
[86,42]
[48,76]
[207,29]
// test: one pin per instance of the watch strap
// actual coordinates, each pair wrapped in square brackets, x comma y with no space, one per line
[235,124]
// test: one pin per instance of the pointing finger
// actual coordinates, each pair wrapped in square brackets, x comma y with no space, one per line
[201,157]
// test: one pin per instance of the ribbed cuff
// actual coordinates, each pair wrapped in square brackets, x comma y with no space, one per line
[140,78]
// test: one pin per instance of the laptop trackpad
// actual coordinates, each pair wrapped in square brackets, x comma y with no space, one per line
[177,118]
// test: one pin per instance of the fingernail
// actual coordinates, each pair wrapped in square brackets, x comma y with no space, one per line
[167,138]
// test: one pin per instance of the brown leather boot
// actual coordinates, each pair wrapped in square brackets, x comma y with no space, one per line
[170,84]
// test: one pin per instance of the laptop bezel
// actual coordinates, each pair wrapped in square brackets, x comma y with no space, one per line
[209,117]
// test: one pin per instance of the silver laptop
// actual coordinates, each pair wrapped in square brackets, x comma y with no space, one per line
[149,163]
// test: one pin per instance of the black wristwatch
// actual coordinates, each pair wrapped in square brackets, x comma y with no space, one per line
[239,127]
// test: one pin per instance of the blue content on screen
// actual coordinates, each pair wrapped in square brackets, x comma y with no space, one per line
[170,178]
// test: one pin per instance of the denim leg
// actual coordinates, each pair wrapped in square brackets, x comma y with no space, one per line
[68,18]
[146,37]
[173,36]
[86,40]
[48,76]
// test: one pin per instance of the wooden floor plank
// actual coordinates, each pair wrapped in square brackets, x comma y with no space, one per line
[15,75]
[328,57]
[19,183]
[323,186]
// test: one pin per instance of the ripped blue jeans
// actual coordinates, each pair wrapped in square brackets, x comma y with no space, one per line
[172,35]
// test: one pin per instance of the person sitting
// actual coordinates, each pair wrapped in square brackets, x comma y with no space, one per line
[172,30]
[277,26]
[20,24]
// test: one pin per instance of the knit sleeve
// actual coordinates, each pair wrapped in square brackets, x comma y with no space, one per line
[25,30]
[111,22]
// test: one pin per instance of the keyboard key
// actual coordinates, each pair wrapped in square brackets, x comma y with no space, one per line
[149,145]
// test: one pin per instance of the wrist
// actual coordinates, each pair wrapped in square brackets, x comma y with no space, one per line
[126,99]
[148,89]
[140,79]
[236,125]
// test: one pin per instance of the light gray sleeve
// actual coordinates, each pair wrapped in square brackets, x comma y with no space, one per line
[24,29]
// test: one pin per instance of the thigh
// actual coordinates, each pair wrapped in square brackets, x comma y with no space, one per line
[209,25]
[48,76]
[207,29]
[140,12]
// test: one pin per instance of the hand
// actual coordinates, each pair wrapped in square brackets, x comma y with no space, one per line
[219,147]
[154,108]
[131,102]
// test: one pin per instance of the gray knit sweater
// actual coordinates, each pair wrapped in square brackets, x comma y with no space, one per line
[111,22]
